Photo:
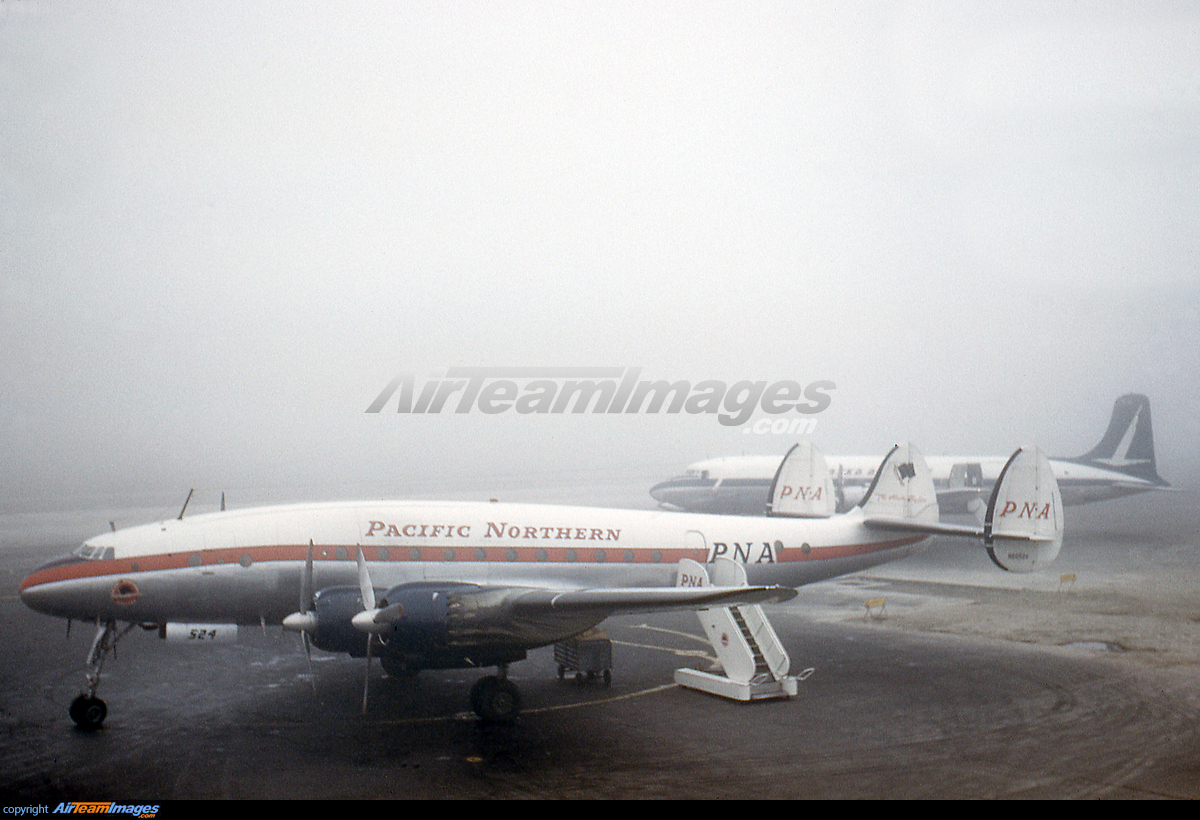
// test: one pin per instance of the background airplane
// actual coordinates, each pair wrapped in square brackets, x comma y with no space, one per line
[427,585]
[1121,464]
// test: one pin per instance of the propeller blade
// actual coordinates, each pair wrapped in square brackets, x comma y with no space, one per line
[308,652]
[367,676]
[306,581]
[305,621]
[364,582]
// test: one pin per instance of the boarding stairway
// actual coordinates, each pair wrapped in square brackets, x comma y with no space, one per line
[762,670]
[753,660]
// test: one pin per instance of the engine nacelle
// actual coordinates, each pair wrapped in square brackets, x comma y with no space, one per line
[334,607]
[423,628]
[439,625]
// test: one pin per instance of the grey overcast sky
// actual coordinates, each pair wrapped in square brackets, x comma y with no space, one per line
[225,227]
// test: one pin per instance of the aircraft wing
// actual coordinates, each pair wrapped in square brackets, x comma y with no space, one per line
[646,599]
[532,616]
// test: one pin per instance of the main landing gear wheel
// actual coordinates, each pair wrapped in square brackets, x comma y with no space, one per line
[496,700]
[88,712]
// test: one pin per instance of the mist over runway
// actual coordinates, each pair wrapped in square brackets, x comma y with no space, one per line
[966,226]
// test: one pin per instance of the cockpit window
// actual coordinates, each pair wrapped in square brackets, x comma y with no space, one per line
[90,553]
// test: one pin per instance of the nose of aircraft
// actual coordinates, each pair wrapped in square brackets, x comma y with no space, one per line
[37,589]
[681,491]
[658,491]
[666,492]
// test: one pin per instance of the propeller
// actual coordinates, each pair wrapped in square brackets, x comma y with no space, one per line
[368,601]
[365,620]
[305,620]
[374,620]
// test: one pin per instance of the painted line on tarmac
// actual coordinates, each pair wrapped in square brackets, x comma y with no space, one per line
[472,717]
[615,698]
[683,653]
[694,637]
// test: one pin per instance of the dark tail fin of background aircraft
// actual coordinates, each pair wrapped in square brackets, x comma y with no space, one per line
[1128,444]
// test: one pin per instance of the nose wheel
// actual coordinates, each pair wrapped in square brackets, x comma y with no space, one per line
[87,710]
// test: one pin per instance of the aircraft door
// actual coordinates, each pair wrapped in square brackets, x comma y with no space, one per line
[695,546]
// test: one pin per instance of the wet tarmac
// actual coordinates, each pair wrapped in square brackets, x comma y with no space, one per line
[970,683]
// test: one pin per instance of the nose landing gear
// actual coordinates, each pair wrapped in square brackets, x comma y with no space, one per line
[87,710]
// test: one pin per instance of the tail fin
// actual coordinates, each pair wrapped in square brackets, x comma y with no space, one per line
[802,487]
[1128,444]
[1023,529]
[902,488]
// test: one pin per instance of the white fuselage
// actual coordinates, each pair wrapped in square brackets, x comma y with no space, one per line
[245,566]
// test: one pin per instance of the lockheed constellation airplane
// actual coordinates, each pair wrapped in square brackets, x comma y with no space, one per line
[426,585]
[1121,464]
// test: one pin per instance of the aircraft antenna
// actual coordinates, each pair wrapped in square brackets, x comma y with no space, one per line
[185,503]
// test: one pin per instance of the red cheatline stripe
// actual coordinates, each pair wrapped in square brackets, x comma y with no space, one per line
[431,554]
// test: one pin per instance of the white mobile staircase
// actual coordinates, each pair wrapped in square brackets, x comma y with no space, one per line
[754,661]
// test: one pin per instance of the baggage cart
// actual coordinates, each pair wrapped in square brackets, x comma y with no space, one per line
[588,655]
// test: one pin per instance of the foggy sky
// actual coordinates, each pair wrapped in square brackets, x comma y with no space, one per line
[224,228]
